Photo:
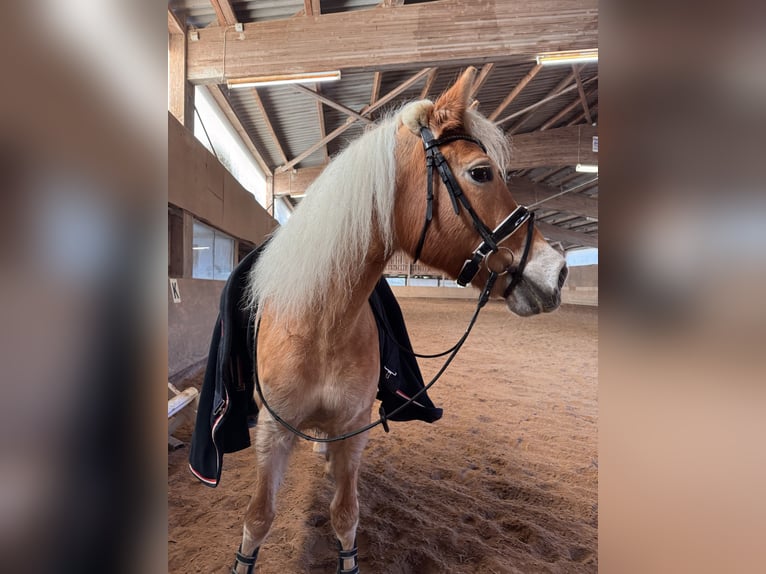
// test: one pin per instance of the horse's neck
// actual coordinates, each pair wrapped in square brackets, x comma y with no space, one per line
[348,304]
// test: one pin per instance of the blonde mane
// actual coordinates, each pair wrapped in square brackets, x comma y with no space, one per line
[326,239]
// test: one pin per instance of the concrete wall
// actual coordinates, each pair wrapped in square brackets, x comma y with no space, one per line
[202,187]
[191,322]
[198,183]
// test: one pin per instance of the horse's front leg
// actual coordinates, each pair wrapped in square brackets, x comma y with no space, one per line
[273,445]
[345,458]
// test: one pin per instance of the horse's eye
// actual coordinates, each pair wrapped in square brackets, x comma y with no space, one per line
[481,174]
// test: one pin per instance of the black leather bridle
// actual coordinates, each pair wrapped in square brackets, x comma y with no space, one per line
[490,239]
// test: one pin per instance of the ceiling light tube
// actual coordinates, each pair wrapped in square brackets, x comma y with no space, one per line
[586,168]
[574,57]
[280,79]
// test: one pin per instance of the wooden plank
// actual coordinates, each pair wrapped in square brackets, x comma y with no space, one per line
[556,147]
[429,83]
[555,233]
[422,34]
[269,126]
[174,24]
[179,401]
[234,121]
[331,103]
[224,12]
[581,91]
[564,112]
[365,111]
[515,92]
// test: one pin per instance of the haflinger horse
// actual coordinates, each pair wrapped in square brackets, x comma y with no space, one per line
[317,341]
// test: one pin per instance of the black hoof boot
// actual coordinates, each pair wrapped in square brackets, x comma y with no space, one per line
[345,555]
[248,561]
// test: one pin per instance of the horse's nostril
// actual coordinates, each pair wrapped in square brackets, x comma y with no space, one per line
[563,276]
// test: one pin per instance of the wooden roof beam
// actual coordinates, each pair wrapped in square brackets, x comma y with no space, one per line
[563,113]
[331,103]
[429,83]
[269,126]
[367,110]
[227,109]
[539,103]
[174,24]
[556,147]
[468,31]
[581,91]
[515,92]
[560,86]
[224,12]
[486,70]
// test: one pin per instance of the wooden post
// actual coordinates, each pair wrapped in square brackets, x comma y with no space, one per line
[180,91]
[187,242]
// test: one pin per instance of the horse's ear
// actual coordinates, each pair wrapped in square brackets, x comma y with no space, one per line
[449,109]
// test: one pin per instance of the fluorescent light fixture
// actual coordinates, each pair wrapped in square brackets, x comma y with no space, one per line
[574,57]
[196,248]
[586,168]
[280,79]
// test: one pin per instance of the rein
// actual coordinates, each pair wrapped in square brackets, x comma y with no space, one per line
[491,240]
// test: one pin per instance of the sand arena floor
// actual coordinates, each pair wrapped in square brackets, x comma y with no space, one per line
[505,482]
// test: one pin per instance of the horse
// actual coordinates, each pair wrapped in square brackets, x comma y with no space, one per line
[317,341]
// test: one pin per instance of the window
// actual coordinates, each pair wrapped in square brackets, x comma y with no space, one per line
[213,253]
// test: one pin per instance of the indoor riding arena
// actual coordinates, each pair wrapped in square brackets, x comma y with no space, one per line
[457,104]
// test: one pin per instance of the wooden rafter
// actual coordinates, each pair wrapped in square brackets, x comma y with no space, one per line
[377,77]
[565,82]
[429,83]
[331,103]
[527,192]
[545,100]
[224,12]
[486,70]
[322,129]
[515,92]
[269,126]
[174,24]
[311,8]
[563,113]
[233,118]
[583,98]
[581,116]
[468,30]
[350,121]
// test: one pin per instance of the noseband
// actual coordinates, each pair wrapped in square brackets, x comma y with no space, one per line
[490,239]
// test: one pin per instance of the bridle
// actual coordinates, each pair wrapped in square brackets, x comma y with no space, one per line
[490,243]
[490,239]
